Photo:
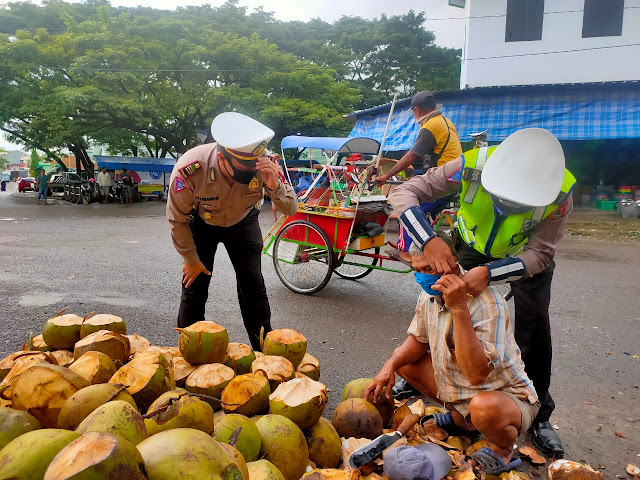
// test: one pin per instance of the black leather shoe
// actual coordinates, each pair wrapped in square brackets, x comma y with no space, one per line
[546,439]
[403,389]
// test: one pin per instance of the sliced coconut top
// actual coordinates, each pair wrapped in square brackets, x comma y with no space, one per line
[238,350]
[210,374]
[99,336]
[38,341]
[138,343]
[273,366]
[64,358]
[286,336]
[249,383]
[206,326]
[92,356]
[66,320]
[137,373]
[309,362]
[84,452]
[182,368]
[103,319]
[153,352]
[298,391]
[10,360]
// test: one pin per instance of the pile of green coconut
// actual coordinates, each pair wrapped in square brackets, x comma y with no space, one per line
[84,400]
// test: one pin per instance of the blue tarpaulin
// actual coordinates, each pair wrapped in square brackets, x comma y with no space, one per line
[354,144]
[571,112]
[141,164]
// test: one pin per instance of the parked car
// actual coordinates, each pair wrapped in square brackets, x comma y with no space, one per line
[26,183]
[59,180]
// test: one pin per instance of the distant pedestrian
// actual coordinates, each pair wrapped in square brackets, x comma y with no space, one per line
[126,180]
[3,185]
[104,182]
[42,182]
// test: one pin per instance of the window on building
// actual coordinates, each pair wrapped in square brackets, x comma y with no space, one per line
[602,18]
[524,20]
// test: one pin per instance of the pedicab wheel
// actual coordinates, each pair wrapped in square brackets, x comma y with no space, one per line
[303,257]
[356,272]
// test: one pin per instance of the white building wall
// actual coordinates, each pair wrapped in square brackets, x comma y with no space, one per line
[485,37]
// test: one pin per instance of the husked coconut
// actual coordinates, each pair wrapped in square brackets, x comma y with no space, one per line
[102,321]
[42,389]
[28,456]
[276,369]
[247,395]
[242,432]
[203,342]
[210,380]
[116,418]
[239,357]
[301,400]
[97,456]
[263,470]
[181,370]
[64,358]
[147,378]
[138,343]
[14,423]
[286,343]
[177,409]
[310,366]
[187,454]
[82,403]
[112,344]
[357,388]
[62,331]
[237,456]
[96,367]
[357,418]
[284,445]
[325,448]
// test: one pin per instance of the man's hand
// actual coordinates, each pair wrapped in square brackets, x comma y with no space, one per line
[477,280]
[454,291]
[191,272]
[437,258]
[386,377]
[270,172]
[381,180]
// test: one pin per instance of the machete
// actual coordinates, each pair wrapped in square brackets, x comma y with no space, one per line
[371,450]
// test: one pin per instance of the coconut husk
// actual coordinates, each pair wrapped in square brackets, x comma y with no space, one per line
[85,401]
[241,432]
[284,445]
[112,344]
[96,367]
[118,418]
[310,366]
[20,362]
[325,449]
[247,395]
[203,342]
[530,452]
[210,380]
[301,400]
[239,357]
[567,470]
[146,378]
[138,343]
[286,343]
[97,456]
[64,358]
[38,343]
[102,321]
[177,409]
[42,389]
[276,369]
[14,423]
[263,470]
[181,370]
[62,331]
[357,418]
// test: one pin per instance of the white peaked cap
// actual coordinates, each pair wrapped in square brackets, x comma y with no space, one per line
[242,136]
[527,168]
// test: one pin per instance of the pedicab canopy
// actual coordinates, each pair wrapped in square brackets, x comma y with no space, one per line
[365,145]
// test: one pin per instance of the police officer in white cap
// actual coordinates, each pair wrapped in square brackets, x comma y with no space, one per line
[214,193]
[514,202]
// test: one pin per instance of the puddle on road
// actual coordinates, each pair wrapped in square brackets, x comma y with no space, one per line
[40,299]
[118,300]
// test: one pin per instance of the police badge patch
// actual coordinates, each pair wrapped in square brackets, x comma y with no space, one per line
[190,169]
[178,185]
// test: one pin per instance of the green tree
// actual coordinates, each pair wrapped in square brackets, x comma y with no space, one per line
[34,164]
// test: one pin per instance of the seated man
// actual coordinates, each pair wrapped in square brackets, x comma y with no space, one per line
[461,352]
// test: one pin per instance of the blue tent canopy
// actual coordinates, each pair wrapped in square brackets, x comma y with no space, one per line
[355,144]
[141,164]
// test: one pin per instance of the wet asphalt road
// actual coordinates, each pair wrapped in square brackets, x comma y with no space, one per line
[119,259]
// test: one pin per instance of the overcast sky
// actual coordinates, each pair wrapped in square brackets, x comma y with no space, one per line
[449,33]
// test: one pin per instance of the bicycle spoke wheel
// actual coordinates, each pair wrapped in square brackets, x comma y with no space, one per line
[356,272]
[303,257]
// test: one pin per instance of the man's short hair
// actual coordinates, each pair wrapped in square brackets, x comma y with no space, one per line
[424,101]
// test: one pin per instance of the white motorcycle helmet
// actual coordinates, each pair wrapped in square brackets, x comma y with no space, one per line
[527,168]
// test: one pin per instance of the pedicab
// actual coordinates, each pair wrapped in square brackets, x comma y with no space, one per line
[342,219]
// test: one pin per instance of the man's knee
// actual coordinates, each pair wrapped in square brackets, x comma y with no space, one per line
[485,409]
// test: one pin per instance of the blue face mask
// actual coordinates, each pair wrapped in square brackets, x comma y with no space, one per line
[426,281]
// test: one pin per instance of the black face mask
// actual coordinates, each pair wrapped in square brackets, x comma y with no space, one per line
[241,176]
[507,207]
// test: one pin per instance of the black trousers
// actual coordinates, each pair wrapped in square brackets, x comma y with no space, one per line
[532,327]
[243,242]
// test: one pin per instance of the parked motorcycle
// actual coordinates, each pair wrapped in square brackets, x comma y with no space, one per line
[119,194]
[87,193]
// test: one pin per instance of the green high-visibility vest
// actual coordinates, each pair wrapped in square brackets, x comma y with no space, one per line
[480,224]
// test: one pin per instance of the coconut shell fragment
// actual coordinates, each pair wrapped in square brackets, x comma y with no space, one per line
[203,342]
[112,344]
[138,343]
[96,367]
[177,409]
[210,380]
[181,370]
[85,401]
[247,395]
[567,470]
[301,400]
[146,379]
[310,366]
[276,369]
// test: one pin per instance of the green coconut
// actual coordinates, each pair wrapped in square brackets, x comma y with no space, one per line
[138,343]
[181,370]
[14,423]
[286,343]
[203,342]
[264,470]
[310,366]
[210,380]
[112,344]
[237,456]
[102,321]
[284,445]
[147,378]
[62,331]
[357,389]
[301,400]
[325,448]
[276,369]
[177,409]
[64,358]
[42,390]
[357,418]
[241,432]
[239,357]
[28,456]
[187,454]
[97,456]
[118,418]
[82,403]
[247,395]
[96,367]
